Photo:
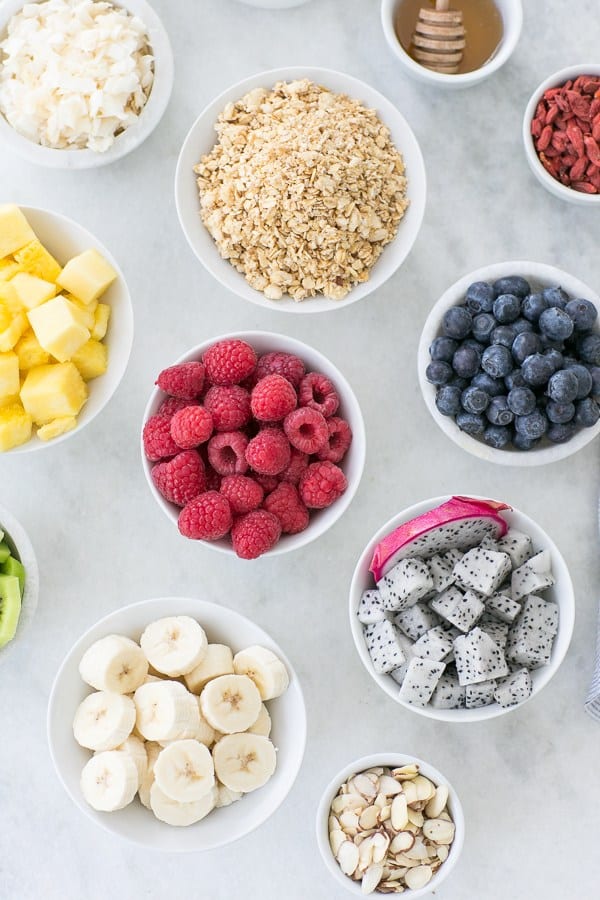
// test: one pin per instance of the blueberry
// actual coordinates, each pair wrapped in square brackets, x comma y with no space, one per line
[443,349]
[497,436]
[471,423]
[533,306]
[532,426]
[521,401]
[457,322]
[595,373]
[583,377]
[537,369]
[563,386]
[480,297]
[549,344]
[471,342]
[557,359]
[587,413]
[492,386]
[465,361]
[474,400]
[498,412]
[521,325]
[497,361]
[460,383]
[556,324]
[561,432]
[512,284]
[583,313]
[559,413]
[525,345]
[555,296]
[588,348]
[483,325]
[514,379]
[507,308]
[520,442]
[504,335]
[448,400]
[438,372]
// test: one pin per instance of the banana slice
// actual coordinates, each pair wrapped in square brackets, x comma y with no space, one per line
[264,668]
[184,771]
[136,749]
[218,661]
[205,734]
[114,663]
[225,797]
[244,762]
[152,751]
[230,703]
[262,724]
[174,813]
[149,679]
[109,780]
[166,711]
[174,645]
[104,720]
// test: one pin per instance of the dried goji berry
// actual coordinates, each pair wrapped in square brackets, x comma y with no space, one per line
[578,170]
[592,149]
[552,113]
[576,137]
[545,138]
[536,128]
[584,187]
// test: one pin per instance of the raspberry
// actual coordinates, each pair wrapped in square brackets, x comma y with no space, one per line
[184,381]
[322,484]
[340,438]
[286,364]
[244,494]
[181,479]
[269,452]
[267,482]
[272,399]
[255,533]
[156,436]
[318,393]
[229,406]
[306,429]
[298,464]
[285,503]
[191,427]
[206,517]
[229,362]
[170,406]
[226,453]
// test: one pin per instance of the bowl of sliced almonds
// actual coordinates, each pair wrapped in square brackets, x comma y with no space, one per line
[390,824]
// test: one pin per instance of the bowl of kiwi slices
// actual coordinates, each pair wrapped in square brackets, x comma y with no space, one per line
[19,582]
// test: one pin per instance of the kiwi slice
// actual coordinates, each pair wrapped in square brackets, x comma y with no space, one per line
[10,607]
[4,551]
[12,566]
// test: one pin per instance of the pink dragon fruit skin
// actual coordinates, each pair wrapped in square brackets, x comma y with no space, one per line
[418,536]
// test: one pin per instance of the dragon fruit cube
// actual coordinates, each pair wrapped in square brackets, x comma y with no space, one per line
[448,693]
[370,608]
[514,689]
[468,609]
[531,637]
[498,631]
[441,573]
[385,649]
[405,584]
[416,620]
[504,608]
[482,571]
[435,644]
[478,658]
[478,695]
[517,545]
[446,603]
[420,681]
[533,576]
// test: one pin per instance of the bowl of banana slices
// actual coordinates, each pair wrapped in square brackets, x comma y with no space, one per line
[168,712]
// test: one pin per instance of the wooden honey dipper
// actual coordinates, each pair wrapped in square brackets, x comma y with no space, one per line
[439,38]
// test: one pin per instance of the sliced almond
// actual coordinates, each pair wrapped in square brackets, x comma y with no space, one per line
[360,784]
[371,878]
[349,820]
[403,841]
[348,801]
[418,878]
[443,852]
[369,817]
[384,815]
[415,817]
[406,772]
[389,786]
[410,792]
[347,857]
[445,815]
[425,788]
[375,770]
[365,853]
[399,812]
[334,824]
[403,860]
[336,839]
[363,835]
[437,803]
[381,843]
[417,851]
[439,830]
[397,874]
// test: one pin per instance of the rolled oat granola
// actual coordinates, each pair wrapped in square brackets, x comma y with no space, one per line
[302,191]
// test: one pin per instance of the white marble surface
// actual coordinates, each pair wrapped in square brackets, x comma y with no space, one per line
[529,781]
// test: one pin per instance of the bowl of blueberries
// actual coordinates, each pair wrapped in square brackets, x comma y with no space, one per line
[509,363]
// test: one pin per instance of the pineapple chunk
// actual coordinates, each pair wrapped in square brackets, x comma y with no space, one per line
[15,426]
[15,230]
[53,392]
[9,374]
[30,352]
[31,290]
[90,307]
[81,312]
[87,276]
[35,259]
[58,329]
[11,334]
[101,318]
[56,427]
[8,268]
[91,360]
[9,297]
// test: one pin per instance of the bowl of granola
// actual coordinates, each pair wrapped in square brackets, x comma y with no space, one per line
[312,189]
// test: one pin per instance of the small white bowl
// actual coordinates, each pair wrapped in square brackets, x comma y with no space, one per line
[540,275]
[512,18]
[545,178]
[133,136]
[20,547]
[65,238]
[352,464]
[561,593]
[391,760]
[135,823]
[201,139]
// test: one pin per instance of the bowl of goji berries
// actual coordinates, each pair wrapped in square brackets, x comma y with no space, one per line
[254,443]
[561,133]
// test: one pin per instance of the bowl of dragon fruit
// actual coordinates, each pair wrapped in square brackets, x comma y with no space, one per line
[509,363]
[461,608]
[253,443]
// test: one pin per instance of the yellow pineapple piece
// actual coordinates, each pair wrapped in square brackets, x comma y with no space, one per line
[101,317]
[11,334]
[15,230]
[15,426]
[9,298]
[53,392]
[8,268]
[56,427]
[87,276]
[35,259]
[9,374]
[91,360]
[31,290]
[58,329]
[30,352]
[83,315]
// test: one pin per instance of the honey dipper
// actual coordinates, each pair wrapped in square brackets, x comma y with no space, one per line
[439,38]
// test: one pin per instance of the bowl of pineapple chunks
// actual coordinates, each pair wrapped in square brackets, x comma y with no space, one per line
[66,328]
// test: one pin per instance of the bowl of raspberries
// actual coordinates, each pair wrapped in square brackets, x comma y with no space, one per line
[253,442]
[509,363]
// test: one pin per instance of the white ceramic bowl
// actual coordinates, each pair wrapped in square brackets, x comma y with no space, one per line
[539,275]
[135,823]
[390,760]
[512,18]
[20,547]
[561,593]
[133,136]
[545,178]
[65,238]
[201,138]
[352,464]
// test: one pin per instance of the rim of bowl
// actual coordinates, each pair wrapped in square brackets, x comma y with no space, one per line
[34,443]
[19,542]
[389,759]
[535,272]
[135,134]
[348,398]
[513,25]
[54,700]
[565,629]
[387,112]
[545,178]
